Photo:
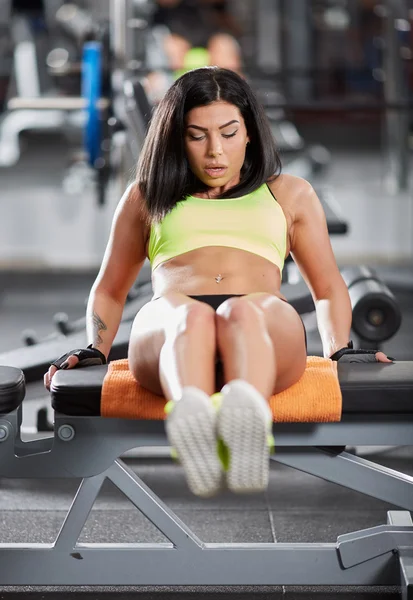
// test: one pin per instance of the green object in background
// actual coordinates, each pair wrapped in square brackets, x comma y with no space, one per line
[195,58]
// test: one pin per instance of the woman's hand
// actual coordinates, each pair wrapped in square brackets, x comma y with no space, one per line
[82,357]
[381,357]
[349,355]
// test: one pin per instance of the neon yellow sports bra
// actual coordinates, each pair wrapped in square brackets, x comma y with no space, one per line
[255,223]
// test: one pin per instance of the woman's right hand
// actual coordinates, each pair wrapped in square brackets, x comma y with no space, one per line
[81,357]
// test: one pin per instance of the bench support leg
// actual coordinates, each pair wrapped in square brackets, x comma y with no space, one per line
[78,513]
[152,507]
[352,472]
[402,518]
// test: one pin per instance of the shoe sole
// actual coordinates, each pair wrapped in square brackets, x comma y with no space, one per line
[244,428]
[191,431]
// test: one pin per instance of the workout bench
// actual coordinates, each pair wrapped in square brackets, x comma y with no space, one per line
[377,410]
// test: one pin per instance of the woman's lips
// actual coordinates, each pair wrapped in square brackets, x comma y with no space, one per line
[215,171]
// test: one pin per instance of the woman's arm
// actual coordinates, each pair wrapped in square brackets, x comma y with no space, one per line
[311,249]
[103,316]
[122,261]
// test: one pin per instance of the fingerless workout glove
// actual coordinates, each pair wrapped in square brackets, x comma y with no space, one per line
[349,355]
[88,357]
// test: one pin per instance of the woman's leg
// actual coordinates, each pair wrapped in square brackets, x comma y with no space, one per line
[172,353]
[261,340]
[172,345]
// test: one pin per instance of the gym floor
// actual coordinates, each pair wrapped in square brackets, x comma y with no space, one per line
[296,508]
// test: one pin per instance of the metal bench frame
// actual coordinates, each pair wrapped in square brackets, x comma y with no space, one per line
[90,447]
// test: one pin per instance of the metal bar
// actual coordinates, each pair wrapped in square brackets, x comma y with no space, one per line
[395,91]
[268,34]
[352,472]
[118,19]
[66,459]
[152,507]
[49,103]
[215,564]
[357,547]
[35,446]
[78,512]
[406,573]
[26,70]
[121,13]
[353,430]
[401,518]
[298,47]
[404,518]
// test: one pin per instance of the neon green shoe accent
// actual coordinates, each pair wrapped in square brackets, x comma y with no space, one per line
[168,407]
[217,400]
[174,454]
[223,454]
[271,443]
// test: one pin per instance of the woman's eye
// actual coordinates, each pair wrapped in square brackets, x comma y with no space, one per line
[196,138]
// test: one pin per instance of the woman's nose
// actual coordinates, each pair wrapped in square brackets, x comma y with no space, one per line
[215,148]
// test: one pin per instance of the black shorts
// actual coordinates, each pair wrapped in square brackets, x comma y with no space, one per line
[215,300]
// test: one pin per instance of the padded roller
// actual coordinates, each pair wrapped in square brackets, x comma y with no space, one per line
[12,389]
[376,313]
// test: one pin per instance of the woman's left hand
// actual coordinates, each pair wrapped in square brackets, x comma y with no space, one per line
[381,357]
[349,355]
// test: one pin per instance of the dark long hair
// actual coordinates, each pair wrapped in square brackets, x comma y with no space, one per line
[163,174]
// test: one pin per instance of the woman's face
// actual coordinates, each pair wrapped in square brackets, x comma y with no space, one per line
[215,143]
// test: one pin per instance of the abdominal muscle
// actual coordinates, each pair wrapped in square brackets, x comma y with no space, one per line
[216,270]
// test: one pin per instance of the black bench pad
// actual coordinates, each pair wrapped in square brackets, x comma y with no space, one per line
[12,389]
[366,388]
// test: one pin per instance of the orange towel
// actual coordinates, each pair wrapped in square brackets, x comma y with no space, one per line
[315,398]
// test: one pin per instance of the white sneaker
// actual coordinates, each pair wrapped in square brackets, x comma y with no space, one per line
[191,430]
[245,426]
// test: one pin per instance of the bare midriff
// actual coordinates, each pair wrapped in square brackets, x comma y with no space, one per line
[216,270]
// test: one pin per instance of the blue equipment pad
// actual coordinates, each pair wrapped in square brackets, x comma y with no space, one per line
[91,91]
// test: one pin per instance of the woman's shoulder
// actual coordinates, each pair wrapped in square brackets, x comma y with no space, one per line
[294,195]
[133,205]
[134,198]
[286,187]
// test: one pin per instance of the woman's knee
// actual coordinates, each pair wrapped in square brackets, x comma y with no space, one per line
[239,311]
[193,316]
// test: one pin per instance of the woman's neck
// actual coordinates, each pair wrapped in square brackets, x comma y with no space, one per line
[216,192]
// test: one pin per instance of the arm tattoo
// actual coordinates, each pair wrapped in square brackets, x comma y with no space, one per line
[98,326]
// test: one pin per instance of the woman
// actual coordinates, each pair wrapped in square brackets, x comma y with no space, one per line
[198,24]
[215,216]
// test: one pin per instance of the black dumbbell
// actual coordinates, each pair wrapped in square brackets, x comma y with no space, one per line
[376,313]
